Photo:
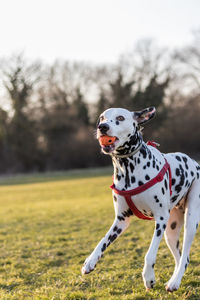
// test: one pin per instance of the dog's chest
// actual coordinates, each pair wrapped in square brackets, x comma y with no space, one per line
[132,172]
[137,171]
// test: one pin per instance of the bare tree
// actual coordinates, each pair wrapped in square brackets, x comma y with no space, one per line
[19,80]
[188,63]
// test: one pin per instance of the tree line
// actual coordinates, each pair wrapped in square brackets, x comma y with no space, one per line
[48,113]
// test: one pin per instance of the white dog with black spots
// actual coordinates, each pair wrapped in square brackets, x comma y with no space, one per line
[135,163]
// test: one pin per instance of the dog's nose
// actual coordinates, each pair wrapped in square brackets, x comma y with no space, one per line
[103,127]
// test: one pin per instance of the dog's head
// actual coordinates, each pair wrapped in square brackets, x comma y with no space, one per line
[122,126]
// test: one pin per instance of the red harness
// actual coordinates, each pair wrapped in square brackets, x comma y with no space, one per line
[128,194]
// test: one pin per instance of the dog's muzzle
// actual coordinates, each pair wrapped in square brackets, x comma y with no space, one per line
[103,128]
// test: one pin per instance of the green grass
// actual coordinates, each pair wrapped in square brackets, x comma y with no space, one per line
[50,223]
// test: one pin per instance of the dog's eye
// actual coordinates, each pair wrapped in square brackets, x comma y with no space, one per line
[101,118]
[120,118]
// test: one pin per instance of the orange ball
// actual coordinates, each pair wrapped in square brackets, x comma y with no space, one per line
[106,140]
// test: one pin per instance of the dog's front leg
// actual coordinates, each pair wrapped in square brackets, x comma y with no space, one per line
[121,222]
[150,257]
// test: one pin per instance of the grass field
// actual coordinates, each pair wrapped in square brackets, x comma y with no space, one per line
[50,223]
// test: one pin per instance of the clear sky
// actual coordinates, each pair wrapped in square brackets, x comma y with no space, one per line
[93,30]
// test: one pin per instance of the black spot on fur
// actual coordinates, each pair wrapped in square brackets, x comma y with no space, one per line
[132,179]
[164,226]
[173,225]
[192,173]
[159,232]
[131,167]
[177,244]
[177,172]
[104,247]
[117,122]
[163,191]
[173,181]
[147,177]
[178,158]
[112,237]
[150,156]
[119,230]
[161,218]
[127,213]
[185,159]
[148,164]
[178,188]
[124,162]
[115,228]
[157,226]
[140,183]
[153,265]
[120,218]
[174,198]
[152,283]
[160,205]
[143,152]
[115,198]
[144,212]
[165,184]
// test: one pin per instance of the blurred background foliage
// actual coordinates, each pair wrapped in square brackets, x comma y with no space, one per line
[48,113]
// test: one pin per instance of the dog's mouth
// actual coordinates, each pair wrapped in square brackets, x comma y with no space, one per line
[107,143]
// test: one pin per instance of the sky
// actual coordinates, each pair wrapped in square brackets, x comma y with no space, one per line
[97,31]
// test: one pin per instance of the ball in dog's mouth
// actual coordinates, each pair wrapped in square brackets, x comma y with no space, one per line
[107,143]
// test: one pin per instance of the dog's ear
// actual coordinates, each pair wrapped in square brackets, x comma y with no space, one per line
[144,115]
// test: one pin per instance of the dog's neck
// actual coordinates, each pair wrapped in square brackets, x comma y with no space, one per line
[129,148]
[126,167]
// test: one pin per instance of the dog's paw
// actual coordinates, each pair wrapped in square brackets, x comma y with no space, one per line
[148,278]
[149,284]
[88,266]
[172,285]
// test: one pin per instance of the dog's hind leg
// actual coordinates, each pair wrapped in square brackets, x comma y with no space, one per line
[172,233]
[192,217]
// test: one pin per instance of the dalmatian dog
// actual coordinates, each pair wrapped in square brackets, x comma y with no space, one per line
[135,163]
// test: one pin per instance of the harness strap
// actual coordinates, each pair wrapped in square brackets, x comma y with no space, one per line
[127,194]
